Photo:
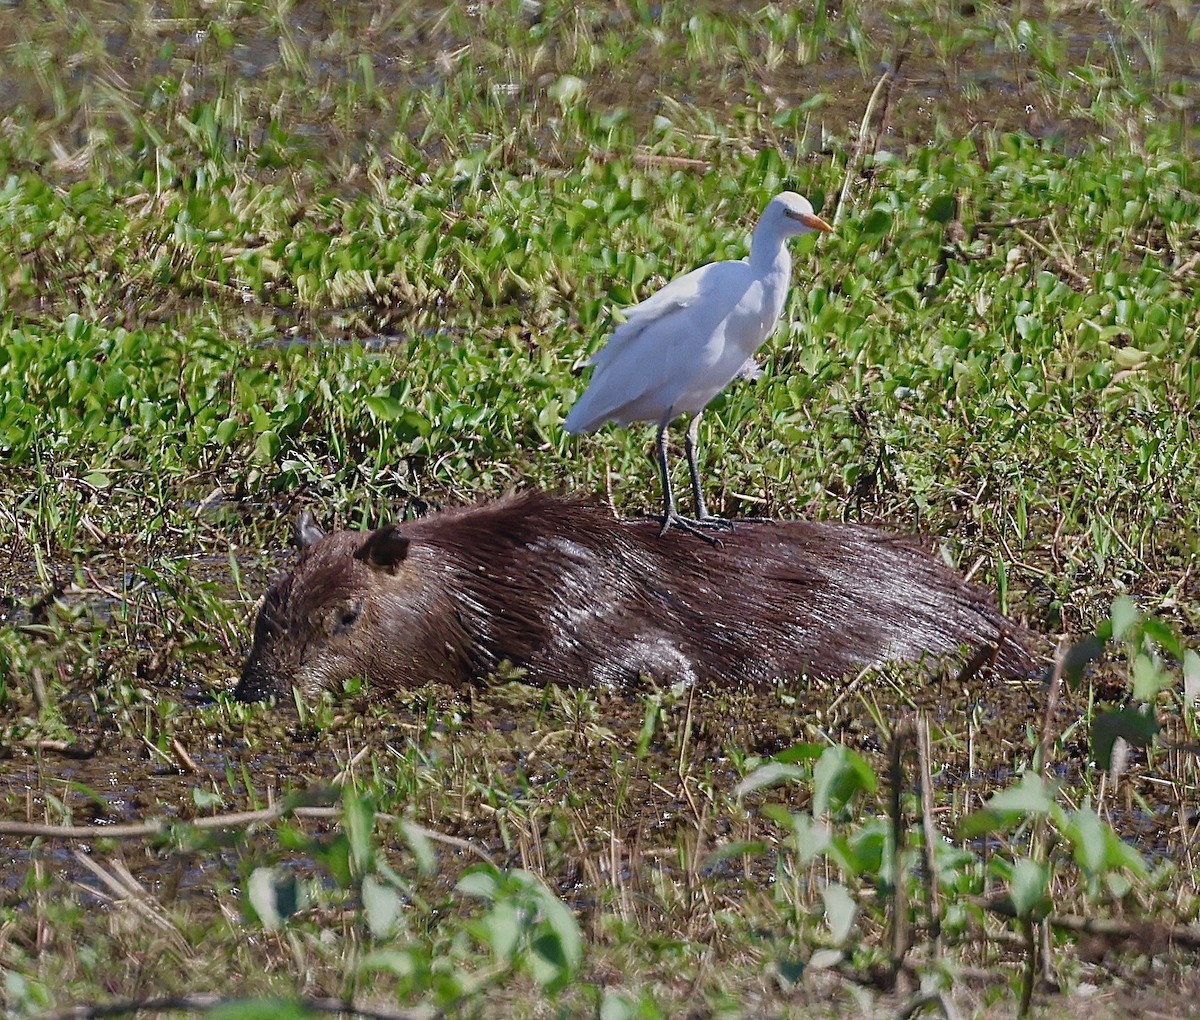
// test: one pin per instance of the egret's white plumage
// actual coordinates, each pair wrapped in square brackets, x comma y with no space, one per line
[684,344]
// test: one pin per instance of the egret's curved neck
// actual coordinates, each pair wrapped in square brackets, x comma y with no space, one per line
[769,251]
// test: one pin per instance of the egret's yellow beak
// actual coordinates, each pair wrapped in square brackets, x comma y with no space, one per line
[811,220]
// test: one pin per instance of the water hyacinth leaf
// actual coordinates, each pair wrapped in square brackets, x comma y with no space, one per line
[1029,797]
[942,209]
[421,846]
[1081,655]
[266,447]
[1136,725]
[274,897]
[225,431]
[1191,676]
[1164,635]
[381,906]
[561,921]
[840,911]
[501,929]
[1089,842]
[877,223]
[770,774]
[1124,616]
[483,881]
[799,752]
[1149,678]
[1027,888]
[617,1006]
[383,407]
[401,963]
[358,817]
[838,776]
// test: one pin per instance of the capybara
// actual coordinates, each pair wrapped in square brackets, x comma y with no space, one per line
[562,590]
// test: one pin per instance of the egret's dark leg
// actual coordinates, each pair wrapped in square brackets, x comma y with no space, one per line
[692,444]
[671,518]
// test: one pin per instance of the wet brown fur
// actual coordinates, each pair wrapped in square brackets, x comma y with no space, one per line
[561,589]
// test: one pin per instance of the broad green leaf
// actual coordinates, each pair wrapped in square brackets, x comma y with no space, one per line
[1089,840]
[421,846]
[274,896]
[1137,726]
[504,926]
[941,209]
[839,774]
[840,911]
[381,905]
[482,881]
[1191,676]
[768,775]
[1124,616]
[1148,678]
[1027,887]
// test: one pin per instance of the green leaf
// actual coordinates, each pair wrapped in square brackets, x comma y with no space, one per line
[1148,677]
[381,906]
[840,773]
[941,209]
[1124,616]
[1137,726]
[421,846]
[1029,797]
[562,922]
[840,911]
[768,775]
[1089,841]
[383,407]
[266,447]
[274,897]
[503,927]
[877,223]
[483,881]
[1027,887]
[799,752]
[1160,631]
[1080,655]
[358,818]
[225,431]
[1191,676]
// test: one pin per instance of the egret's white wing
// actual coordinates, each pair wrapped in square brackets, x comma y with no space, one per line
[650,359]
[680,293]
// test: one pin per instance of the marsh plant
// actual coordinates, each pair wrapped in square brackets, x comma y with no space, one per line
[256,258]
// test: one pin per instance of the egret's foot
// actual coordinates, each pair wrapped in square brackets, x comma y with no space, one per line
[707,520]
[695,527]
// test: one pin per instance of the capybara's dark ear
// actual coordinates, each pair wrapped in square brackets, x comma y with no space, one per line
[383,548]
[308,532]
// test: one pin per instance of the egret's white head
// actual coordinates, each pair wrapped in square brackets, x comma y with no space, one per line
[792,214]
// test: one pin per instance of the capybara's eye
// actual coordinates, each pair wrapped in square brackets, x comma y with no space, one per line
[347,616]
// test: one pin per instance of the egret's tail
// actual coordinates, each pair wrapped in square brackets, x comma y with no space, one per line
[581,418]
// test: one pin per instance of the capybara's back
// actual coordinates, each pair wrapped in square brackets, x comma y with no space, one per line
[562,590]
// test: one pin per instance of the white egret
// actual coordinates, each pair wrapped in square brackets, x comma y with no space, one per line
[684,344]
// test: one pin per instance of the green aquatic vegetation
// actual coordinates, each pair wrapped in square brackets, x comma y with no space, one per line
[257,258]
